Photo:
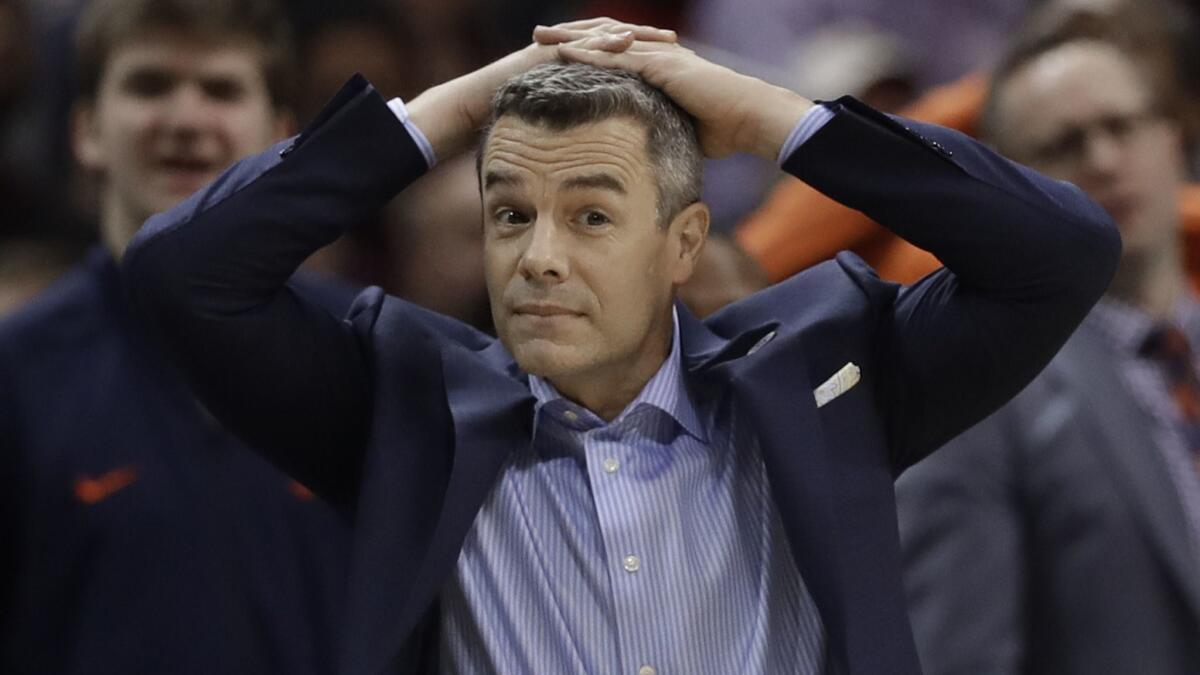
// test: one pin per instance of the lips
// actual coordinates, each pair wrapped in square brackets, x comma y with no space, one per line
[186,174]
[185,163]
[1120,208]
[544,310]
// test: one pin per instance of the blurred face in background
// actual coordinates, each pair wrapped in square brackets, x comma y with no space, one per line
[1084,112]
[170,113]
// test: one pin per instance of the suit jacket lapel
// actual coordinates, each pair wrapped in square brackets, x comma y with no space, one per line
[866,627]
[801,484]
[492,410]
[1124,436]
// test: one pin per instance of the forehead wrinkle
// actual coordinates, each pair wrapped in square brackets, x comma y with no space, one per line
[594,146]
[519,165]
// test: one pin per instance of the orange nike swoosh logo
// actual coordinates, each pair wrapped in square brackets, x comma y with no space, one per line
[299,491]
[93,490]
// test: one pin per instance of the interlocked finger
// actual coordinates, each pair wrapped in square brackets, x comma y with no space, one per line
[569,32]
[584,24]
[607,23]
[581,52]
[616,42]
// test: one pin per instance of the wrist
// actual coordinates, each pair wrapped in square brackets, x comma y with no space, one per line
[435,112]
[449,114]
[776,112]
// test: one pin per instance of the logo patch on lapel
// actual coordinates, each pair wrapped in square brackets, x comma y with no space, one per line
[841,382]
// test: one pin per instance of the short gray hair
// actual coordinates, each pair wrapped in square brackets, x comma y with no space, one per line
[565,95]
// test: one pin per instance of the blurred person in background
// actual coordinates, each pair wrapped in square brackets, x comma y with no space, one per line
[421,246]
[336,40]
[936,41]
[798,227]
[1062,534]
[38,239]
[139,536]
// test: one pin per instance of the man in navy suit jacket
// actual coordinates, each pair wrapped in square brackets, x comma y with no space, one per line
[833,381]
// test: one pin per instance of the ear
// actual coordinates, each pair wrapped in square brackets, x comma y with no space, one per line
[689,229]
[85,137]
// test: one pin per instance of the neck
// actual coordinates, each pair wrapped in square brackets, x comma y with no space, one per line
[117,225]
[608,391]
[1151,282]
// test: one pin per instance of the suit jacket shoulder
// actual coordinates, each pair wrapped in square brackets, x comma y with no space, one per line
[64,311]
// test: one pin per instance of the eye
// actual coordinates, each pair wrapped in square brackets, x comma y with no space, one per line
[510,217]
[595,219]
[224,89]
[148,83]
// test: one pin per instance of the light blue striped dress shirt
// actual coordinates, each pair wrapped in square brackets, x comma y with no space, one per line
[648,545]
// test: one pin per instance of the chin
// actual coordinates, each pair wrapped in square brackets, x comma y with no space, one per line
[548,360]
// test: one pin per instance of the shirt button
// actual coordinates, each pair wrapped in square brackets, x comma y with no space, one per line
[647,670]
[611,465]
[571,415]
[631,563]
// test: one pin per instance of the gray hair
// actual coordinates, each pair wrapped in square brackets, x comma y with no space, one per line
[561,96]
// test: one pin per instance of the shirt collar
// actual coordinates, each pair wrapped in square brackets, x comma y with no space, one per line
[666,391]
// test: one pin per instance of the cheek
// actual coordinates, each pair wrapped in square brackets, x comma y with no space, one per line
[129,125]
[632,292]
[499,263]
[126,143]
[1162,162]
[248,131]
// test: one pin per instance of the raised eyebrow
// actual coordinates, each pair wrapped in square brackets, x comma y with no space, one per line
[602,181]
[221,79]
[149,70]
[495,178]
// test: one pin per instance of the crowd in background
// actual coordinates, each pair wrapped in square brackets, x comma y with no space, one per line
[821,49]
[927,59]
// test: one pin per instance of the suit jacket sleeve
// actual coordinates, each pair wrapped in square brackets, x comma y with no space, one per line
[208,277]
[964,550]
[1026,258]
[798,227]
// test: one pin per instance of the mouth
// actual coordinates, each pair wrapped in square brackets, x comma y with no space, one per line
[544,311]
[187,173]
[1120,208]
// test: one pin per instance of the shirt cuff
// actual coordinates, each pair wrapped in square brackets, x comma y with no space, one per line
[810,123]
[401,113]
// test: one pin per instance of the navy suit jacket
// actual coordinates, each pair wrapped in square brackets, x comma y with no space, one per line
[407,416]
[139,536]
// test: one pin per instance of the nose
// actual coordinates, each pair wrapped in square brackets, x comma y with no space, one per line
[1102,155]
[545,259]
[187,111]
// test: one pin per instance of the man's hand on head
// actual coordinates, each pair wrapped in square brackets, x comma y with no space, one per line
[450,113]
[734,112]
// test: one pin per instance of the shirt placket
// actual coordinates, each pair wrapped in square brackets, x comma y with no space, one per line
[633,558]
